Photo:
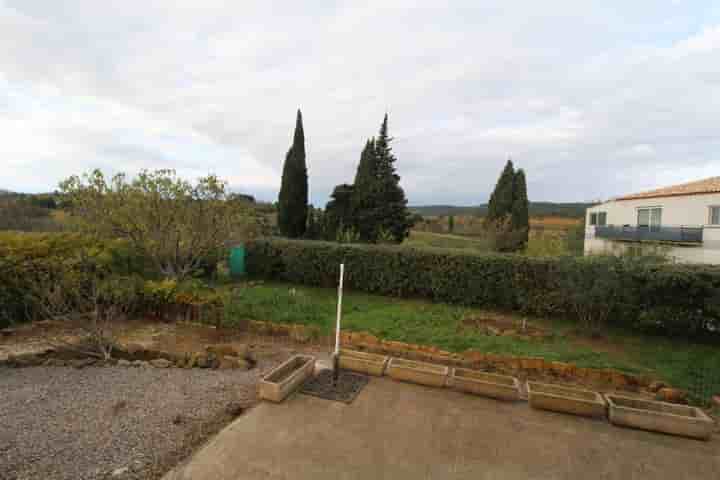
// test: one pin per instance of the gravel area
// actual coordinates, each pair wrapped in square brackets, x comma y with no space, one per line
[112,422]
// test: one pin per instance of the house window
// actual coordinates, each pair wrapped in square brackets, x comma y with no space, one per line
[714,216]
[650,218]
[598,218]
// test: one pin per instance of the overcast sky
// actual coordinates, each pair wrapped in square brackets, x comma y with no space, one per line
[592,99]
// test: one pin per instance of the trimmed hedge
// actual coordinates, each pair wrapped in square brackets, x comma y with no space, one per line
[629,292]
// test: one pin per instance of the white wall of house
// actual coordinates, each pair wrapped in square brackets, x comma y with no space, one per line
[685,210]
[677,211]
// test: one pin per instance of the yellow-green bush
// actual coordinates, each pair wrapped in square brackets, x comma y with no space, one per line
[30,260]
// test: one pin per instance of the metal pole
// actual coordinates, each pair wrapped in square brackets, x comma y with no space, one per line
[336,354]
[339,309]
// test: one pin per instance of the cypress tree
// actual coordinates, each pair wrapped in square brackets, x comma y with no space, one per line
[520,216]
[293,196]
[451,224]
[501,200]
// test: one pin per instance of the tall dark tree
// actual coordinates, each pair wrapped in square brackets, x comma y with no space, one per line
[393,215]
[365,211]
[520,216]
[501,200]
[293,197]
[338,212]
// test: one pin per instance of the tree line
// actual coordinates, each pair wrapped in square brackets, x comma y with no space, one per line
[374,207]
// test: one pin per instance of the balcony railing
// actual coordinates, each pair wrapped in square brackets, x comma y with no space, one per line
[656,234]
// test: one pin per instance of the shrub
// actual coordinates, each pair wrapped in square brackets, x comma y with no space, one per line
[29,262]
[628,292]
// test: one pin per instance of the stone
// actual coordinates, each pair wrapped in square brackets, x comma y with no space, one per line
[224,349]
[512,363]
[533,364]
[190,361]
[202,361]
[474,356]
[716,400]
[124,363]
[281,330]
[134,348]
[24,360]
[82,362]
[227,362]
[120,472]
[161,363]
[365,338]
[562,369]
[140,363]
[595,375]
[656,386]
[671,395]
[345,338]
[55,362]
[619,380]
[234,409]
[300,334]
[494,331]
[390,345]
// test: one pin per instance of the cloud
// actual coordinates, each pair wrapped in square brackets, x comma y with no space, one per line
[582,97]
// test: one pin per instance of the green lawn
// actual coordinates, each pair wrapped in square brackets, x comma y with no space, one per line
[421,322]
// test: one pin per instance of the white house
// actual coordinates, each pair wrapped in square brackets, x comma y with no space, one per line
[684,220]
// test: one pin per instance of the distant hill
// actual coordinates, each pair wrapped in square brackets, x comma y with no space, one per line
[537,209]
[5,192]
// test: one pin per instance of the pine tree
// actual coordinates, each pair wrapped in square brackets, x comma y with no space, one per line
[520,216]
[393,214]
[501,200]
[365,213]
[293,197]
[338,212]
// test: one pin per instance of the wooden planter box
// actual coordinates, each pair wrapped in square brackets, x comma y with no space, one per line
[369,363]
[491,385]
[286,378]
[660,417]
[417,372]
[566,400]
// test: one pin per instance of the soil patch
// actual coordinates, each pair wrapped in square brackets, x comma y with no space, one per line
[495,324]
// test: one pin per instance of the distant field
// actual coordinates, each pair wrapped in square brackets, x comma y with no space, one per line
[554,223]
[537,209]
[420,239]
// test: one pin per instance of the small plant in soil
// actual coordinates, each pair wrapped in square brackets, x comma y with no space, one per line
[93,304]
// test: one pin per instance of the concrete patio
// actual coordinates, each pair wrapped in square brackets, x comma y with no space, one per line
[400,431]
